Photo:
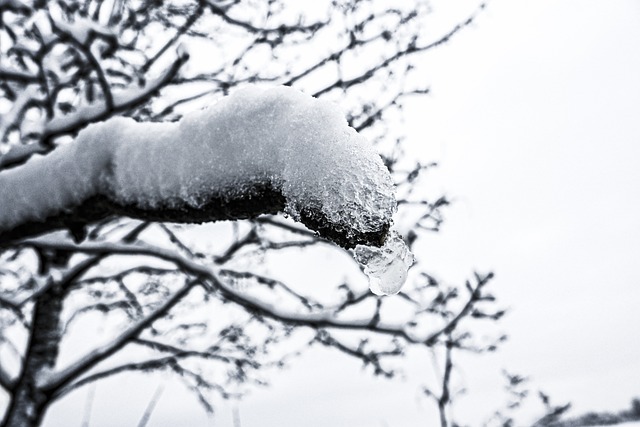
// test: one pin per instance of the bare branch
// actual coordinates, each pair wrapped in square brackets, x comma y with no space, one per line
[9,304]
[93,62]
[159,363]
[475,295]
[64,377]
[256,305]
[277,223]
[250,238]
[372,117]
[18,76]
[272,283]
[281,30]
[445,396]
[191,20]
[370,357]
[411,49]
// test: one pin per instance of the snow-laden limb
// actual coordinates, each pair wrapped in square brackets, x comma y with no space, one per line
[25,99]
[83,29]
[15,5]
[6,382]
[17,154]
[123,100]
[256,151]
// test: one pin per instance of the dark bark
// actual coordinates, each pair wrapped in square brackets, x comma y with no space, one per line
[445,397]
[262,199]
[29,402]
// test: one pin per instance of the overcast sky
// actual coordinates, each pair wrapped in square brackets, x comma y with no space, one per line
[534,118]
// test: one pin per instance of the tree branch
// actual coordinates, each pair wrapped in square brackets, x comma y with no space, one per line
[122,101]
[60,379]
[19,154]
[316,320]
[18,76]
[188,24]
[445,396]
[411,49]
[349,199]
[281,30]
[6,382]
[84,46]
[368,357]
[147,365]
[475,296]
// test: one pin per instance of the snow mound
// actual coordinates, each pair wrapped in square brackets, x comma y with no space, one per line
[298,144]
[52,184]
[281,140]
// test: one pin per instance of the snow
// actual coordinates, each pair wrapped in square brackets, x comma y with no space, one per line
[10,118]
[82,29]
[17,152]
[51,184]
[89,111]
[297,144]
[14,5]
[43,23]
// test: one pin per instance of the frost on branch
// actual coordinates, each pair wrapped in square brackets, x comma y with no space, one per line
[254,152]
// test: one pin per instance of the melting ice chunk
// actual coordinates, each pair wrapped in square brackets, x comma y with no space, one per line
[386,266]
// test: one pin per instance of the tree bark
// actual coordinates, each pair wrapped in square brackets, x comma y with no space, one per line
[29,402]
[264,199]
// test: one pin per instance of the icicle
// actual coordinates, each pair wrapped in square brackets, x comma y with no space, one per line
[386,266]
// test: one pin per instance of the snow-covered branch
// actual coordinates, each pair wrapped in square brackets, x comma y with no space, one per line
[72,64]
[20,153]
[5,380]
[255,152]
[121,101]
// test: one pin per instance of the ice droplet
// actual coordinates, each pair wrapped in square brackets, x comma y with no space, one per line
[386,266]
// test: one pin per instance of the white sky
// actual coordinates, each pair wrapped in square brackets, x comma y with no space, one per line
[535,120]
